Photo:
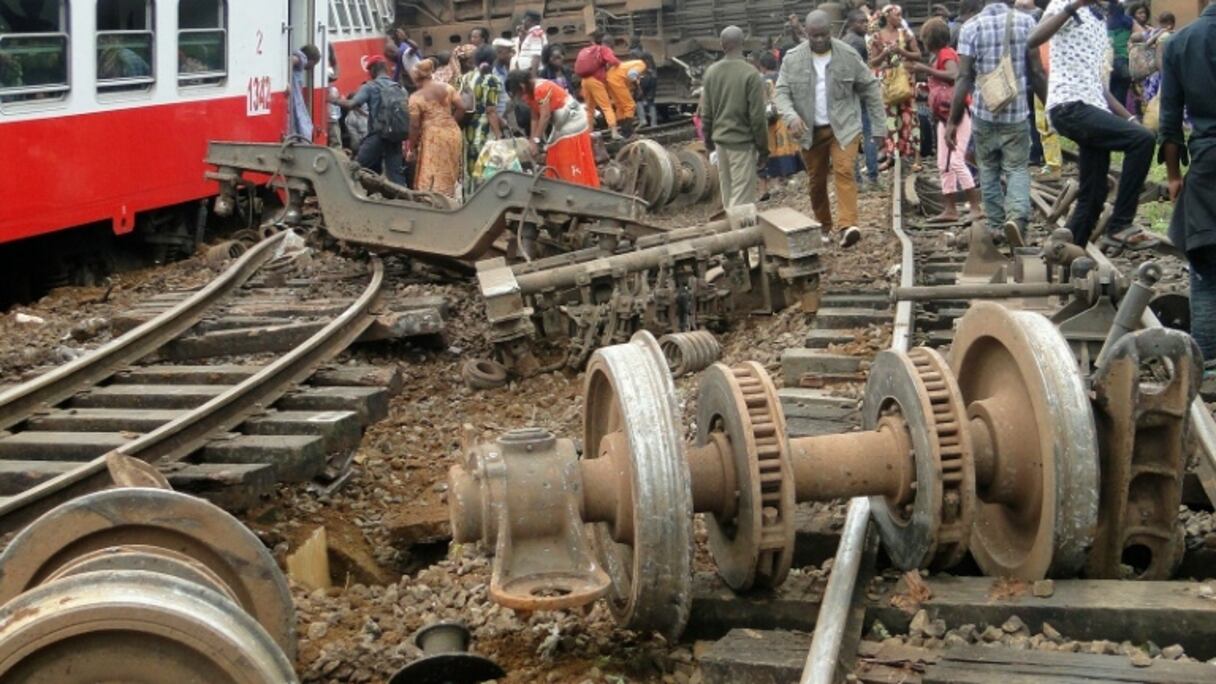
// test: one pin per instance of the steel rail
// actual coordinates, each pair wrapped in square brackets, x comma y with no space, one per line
[1203,425]
[178,438]
[823,660]
[18,403]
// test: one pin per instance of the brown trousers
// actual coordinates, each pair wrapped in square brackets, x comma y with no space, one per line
[826,154]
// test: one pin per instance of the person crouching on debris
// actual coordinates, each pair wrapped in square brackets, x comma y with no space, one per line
[622,79]
[591,66]
[733,120]
[821,90]
[559,128]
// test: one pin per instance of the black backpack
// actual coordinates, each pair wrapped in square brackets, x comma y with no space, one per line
[392,120]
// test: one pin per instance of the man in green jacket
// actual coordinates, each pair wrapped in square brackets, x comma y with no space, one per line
[820,94]
[734,120]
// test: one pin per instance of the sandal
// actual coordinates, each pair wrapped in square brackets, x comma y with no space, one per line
[1133,238]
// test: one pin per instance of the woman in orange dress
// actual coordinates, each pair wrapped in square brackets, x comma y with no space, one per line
[435,140]
[559,124]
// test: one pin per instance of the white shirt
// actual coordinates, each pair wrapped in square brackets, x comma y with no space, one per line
[1078,57]
[821,87]
[529,48]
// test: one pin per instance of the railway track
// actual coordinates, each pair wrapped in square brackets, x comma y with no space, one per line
[1049,446]
[1106,612]
[224,390]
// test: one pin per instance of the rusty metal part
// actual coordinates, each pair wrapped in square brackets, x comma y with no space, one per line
[1064,200]
[929,523]
[222,253]
[483,373]
[984,260]
[1131,307]
[690,352]
[629,402]
[753,546]
[134,626]
[594,300]
[1035,448]
[1143,389]
[17,403]
[926,293]
[178,438]
[138,529]
[1059,250]
[521,496]
[660,176]
[420,228]
[446,658]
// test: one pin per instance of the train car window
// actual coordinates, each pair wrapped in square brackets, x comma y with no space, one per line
[202,42]
[124,45]
[333,17]
[367,17]
[377,22]
[33,50]
[343,14]
[387,11]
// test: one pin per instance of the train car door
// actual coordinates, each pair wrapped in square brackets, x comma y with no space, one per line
[304,27]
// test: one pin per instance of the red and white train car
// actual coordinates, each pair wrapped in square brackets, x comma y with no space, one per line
[106,106]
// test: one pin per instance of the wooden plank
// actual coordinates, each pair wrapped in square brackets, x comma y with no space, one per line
[980,664]
[296,458]
[234,487]
[393,325]
[755,656]
[370,403]
[795,363]
[828,319]
[340,429]
[389,377]
[1084,610]
[146,396]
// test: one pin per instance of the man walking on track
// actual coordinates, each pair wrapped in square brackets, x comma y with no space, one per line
[733,117]
[821,91]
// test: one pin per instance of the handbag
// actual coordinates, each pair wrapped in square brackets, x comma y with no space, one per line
[1142,60]
[896,84]
[999,87]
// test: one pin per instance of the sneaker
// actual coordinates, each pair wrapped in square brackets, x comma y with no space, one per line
[1013,234]
[850,236]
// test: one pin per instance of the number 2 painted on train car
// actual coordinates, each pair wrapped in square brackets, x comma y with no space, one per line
[257,100]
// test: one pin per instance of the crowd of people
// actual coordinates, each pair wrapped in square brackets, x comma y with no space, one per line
[986,91]
[445,122]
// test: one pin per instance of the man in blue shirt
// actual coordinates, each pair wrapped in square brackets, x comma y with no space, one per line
[1193,226]
[375,152]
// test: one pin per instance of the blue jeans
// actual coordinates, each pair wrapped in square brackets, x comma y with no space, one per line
[381,156]
[1002,150]
[869,148]
[1203,299]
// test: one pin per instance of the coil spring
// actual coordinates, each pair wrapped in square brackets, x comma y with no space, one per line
[690,352]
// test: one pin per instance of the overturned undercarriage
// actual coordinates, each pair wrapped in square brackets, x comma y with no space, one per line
[557,261]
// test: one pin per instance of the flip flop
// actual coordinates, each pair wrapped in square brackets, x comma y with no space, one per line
[1134,239]
[850,236]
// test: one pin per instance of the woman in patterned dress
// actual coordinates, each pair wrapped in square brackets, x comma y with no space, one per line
[892,44]
[435,140]
[479,92]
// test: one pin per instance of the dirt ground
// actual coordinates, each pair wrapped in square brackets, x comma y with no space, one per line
[393,568]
